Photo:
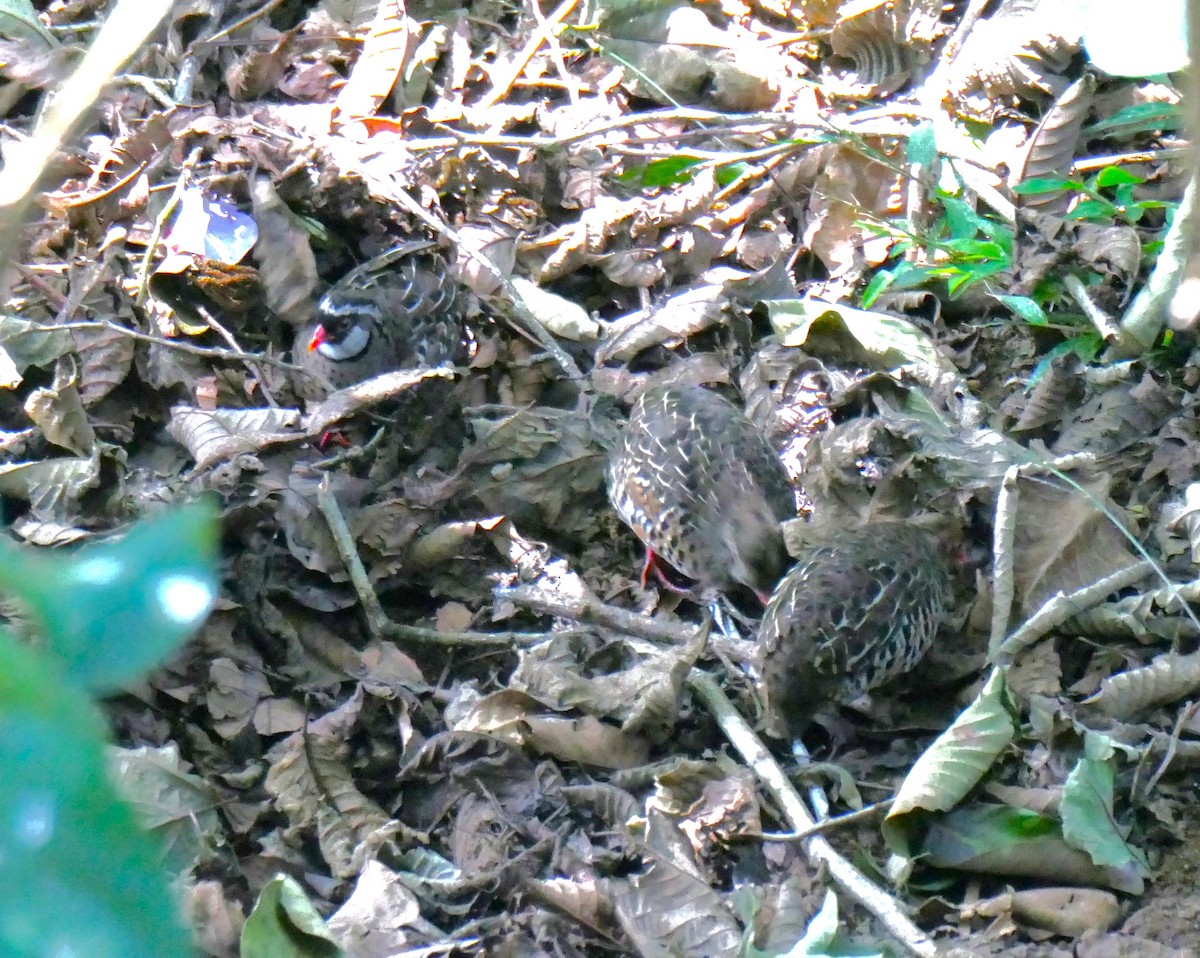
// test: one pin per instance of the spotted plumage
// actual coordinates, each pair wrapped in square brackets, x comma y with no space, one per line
[852,613]
[702,488]
[400,310]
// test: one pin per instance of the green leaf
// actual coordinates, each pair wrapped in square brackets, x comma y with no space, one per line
[113,610]
[79,877]
[1086,346]
[962,219]
[1045,184]
[960,757]
[19,21]
[879,282]
[975,248]
[669,171]
[284,924]
[1140,118]
[824,939]
[1087,814]
[1096,210]
[1117,176]
[728,172]
[922,145]
[1027,309]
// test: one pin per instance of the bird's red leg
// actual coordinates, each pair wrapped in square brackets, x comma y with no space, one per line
[662,572]
[332,437]
[647,566]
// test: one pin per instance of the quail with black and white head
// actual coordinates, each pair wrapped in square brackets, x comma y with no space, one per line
[399,310]
[703,489]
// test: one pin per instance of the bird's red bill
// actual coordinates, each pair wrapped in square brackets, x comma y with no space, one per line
[319,336]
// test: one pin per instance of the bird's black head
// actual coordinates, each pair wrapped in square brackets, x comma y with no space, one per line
[347,318]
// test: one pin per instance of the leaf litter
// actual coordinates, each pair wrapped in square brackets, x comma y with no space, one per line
[444,720]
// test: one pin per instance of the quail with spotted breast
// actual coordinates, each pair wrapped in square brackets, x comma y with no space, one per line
[703,489]
[398,310]
[853,612]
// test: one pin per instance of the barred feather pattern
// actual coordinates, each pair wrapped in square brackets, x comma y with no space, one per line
[702,488]
[852,613]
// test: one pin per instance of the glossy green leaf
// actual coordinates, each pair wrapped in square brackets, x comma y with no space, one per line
[669,171]
[1027,309]
[284,924]
[1087,814]
[1117,176]
[112,610]
[78,876]
[1044,184]
[1140,118]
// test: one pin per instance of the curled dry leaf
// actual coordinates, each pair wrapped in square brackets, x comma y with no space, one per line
[1051,398]
[677,55]
[313,787]
[1168,678]
[380,63]
[1064,911]
[560,316]
[495,242]
[669,907]
[885,41]
[1121,416]
[1115,250]
[213,436]
[522,720]
[1021,50]
[59,413]
[1050,151]
[285,259]
[644,695]
[359,924]
[105,359]
[52,487]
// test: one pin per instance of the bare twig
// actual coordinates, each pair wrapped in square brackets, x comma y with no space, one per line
[826,824]
[129,22]
[378,623]
[253,367]
[213,352]
[743,738]
[889,912]
[507,75]
[594,612]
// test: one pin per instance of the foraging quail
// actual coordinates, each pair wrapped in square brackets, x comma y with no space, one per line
[375,320]
[853,612]
[702,489]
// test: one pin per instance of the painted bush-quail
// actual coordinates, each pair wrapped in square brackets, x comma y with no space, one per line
[396,311]
[853,612]
[703,490]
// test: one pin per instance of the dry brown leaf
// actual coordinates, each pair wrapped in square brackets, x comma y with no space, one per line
[380,63]
[1063,539]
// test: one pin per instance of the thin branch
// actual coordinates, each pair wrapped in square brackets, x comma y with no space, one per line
[213,352]
[877,901]
[378,623]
